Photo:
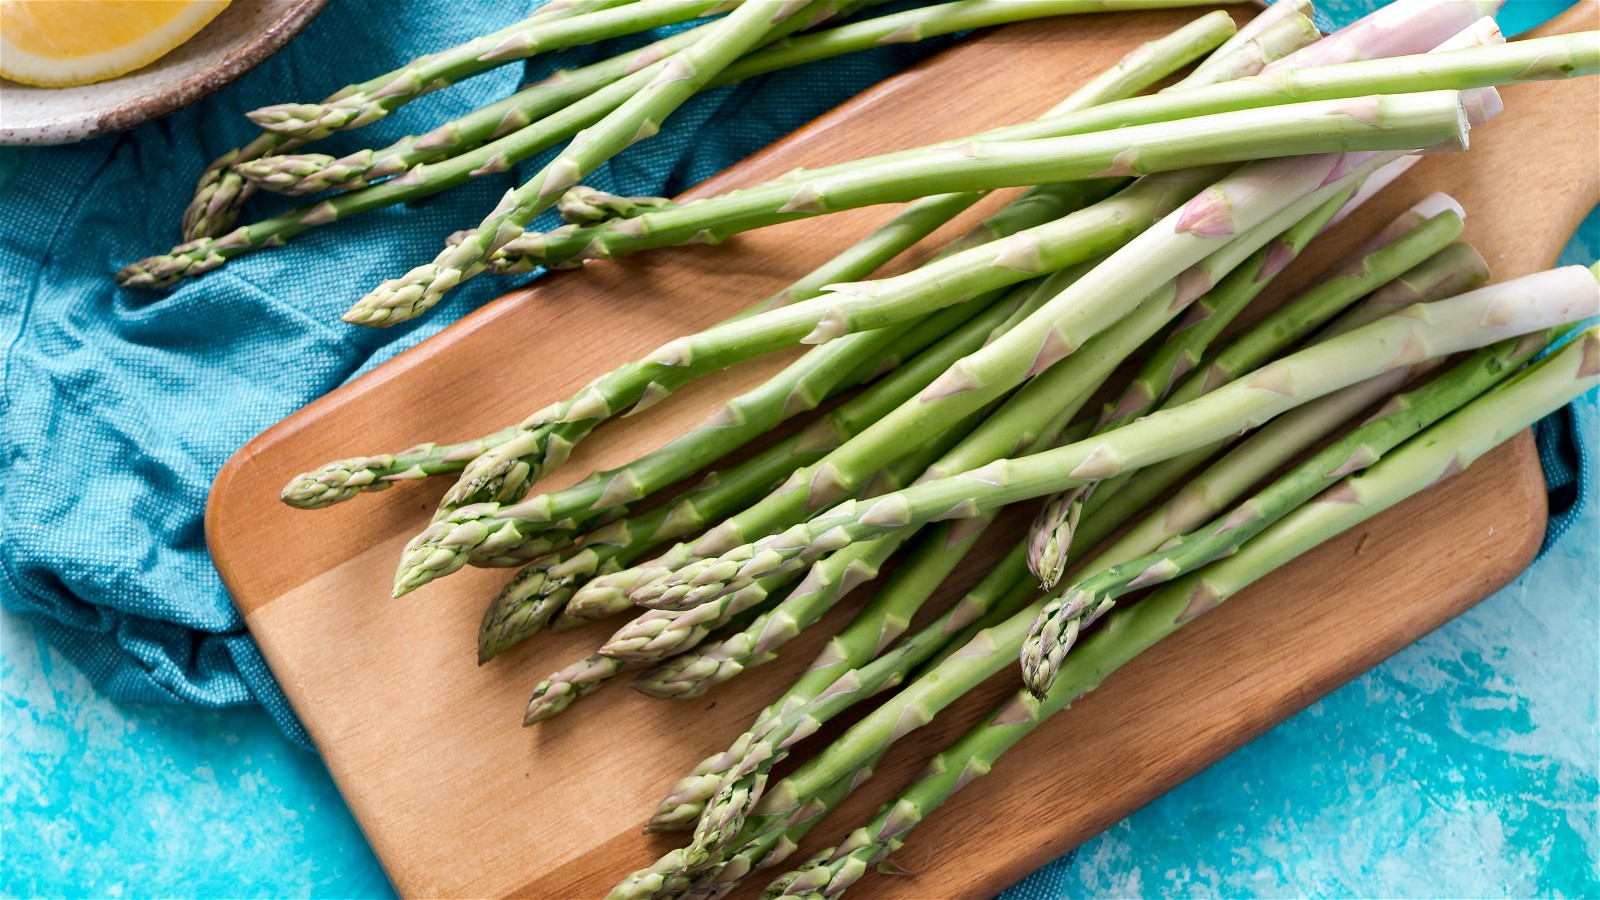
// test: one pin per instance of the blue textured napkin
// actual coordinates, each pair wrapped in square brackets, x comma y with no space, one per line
[118,407]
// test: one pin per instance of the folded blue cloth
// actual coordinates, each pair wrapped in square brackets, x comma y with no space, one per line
[118,407]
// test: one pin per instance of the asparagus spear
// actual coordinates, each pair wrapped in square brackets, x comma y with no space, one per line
[1456,269]
[611,590]
[342,479]
[1405,26]
[1390,253]
[1145,65]
[1366,269]
[1473,320]
[1398,421]
[584,204]
[359,105]
[204,253]
[1444,449]
[667,877]
[984,165]
[827,581]
[607,592]
[221,191]
[558,691]
[873,630]
[1276,444]
[661,640]
[1275,32]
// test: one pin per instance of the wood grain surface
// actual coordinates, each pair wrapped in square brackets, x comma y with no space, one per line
[460,801]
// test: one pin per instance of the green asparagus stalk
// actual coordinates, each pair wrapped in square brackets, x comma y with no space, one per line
[982,165]
[221,191]
[544,588]
[1275,32]
[1390,253]
[1418,333]
[584,204]
[647,636]
[1456,269]
[611,591]
[1398,421]
[356,105]
[1444,449]
[342,479]
[869,633]
[1040,205]
[691,793]
[1332,293]
[1114,500]
[506,473]
[828,580]
[1145,65]
[1391,250]
[205,253]
[833,576]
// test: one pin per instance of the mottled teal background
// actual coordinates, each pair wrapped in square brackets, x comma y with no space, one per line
[1466,766]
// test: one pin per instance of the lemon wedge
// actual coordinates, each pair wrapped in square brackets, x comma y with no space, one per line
[61,43]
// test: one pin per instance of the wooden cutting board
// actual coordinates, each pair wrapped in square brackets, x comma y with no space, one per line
[458,800]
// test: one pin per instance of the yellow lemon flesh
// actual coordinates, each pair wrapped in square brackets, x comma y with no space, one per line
[61,43]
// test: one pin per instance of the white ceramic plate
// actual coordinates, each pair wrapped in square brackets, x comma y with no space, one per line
[233,43]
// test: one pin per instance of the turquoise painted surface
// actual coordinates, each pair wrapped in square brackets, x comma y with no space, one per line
[1467,765]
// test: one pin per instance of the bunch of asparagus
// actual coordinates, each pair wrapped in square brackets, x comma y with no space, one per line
[1150,225]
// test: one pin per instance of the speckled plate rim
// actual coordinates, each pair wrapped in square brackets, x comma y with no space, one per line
[95,122]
